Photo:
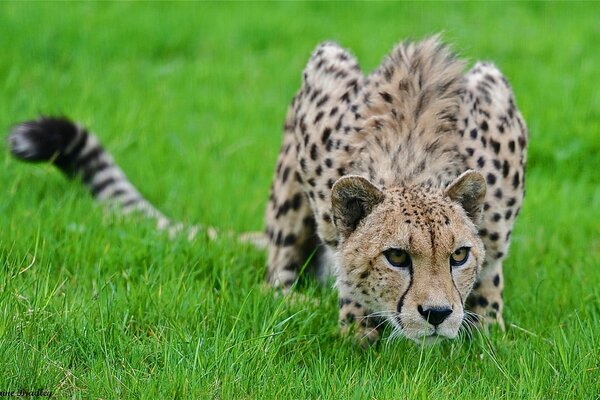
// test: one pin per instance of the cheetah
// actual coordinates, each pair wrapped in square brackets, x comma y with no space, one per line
[403,184]
[408,180]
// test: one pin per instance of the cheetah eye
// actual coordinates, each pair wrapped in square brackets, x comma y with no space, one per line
[459,257]
[398,258]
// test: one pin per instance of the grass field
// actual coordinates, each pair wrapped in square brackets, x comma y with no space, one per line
[190,99]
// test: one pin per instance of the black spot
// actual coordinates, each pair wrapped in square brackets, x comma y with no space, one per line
[289,240]
[496,280]
[344,302]
[345,97]
[494,236]
[365,274]
[495,146]
[350,317]
[495,306]
[482,301]
[505,168]
[508,214]
[328,145]
[515,181]
[318,117]
[333,111]
[323,100]
[328,162]
[496,217]
[470,151]
[473,133]
[319,170]
[326,217]
[480,162]
[311,182]
[491,179]
[484,126]
[297,201]
[315,94]
[309,222]
[313,152]
[386,96]
[498,193]
[303,164]
[325,135]
[283,209]
[511,146]
[285,175]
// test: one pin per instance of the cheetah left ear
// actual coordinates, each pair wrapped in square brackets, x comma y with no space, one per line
[352,199]
[469,191]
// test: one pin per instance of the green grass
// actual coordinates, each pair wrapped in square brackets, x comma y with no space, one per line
[190,99]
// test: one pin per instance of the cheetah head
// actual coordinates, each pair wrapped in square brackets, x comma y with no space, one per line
[409,254]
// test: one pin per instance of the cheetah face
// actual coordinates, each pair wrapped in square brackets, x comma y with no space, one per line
[408,254]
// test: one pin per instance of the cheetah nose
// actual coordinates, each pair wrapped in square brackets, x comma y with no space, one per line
[435,315]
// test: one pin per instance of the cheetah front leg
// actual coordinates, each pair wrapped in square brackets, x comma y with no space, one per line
[486,298]
[290,225]
[356,320]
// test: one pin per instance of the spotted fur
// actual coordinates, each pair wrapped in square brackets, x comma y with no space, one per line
[375,162]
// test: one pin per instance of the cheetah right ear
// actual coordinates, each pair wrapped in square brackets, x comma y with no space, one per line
[469,191]
[352,199]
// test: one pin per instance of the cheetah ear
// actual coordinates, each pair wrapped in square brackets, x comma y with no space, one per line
[469,191]
[352,199]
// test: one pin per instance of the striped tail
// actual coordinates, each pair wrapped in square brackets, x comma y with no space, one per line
[79,154]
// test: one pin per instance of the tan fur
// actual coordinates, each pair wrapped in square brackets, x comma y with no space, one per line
[402,140]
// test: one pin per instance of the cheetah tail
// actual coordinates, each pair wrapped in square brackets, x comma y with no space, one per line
[79,154]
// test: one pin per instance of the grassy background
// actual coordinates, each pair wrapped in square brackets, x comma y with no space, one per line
[190,99]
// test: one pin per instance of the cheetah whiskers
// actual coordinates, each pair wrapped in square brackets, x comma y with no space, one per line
[469,324]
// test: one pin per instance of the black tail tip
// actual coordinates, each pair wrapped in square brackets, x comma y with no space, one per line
[41,139]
